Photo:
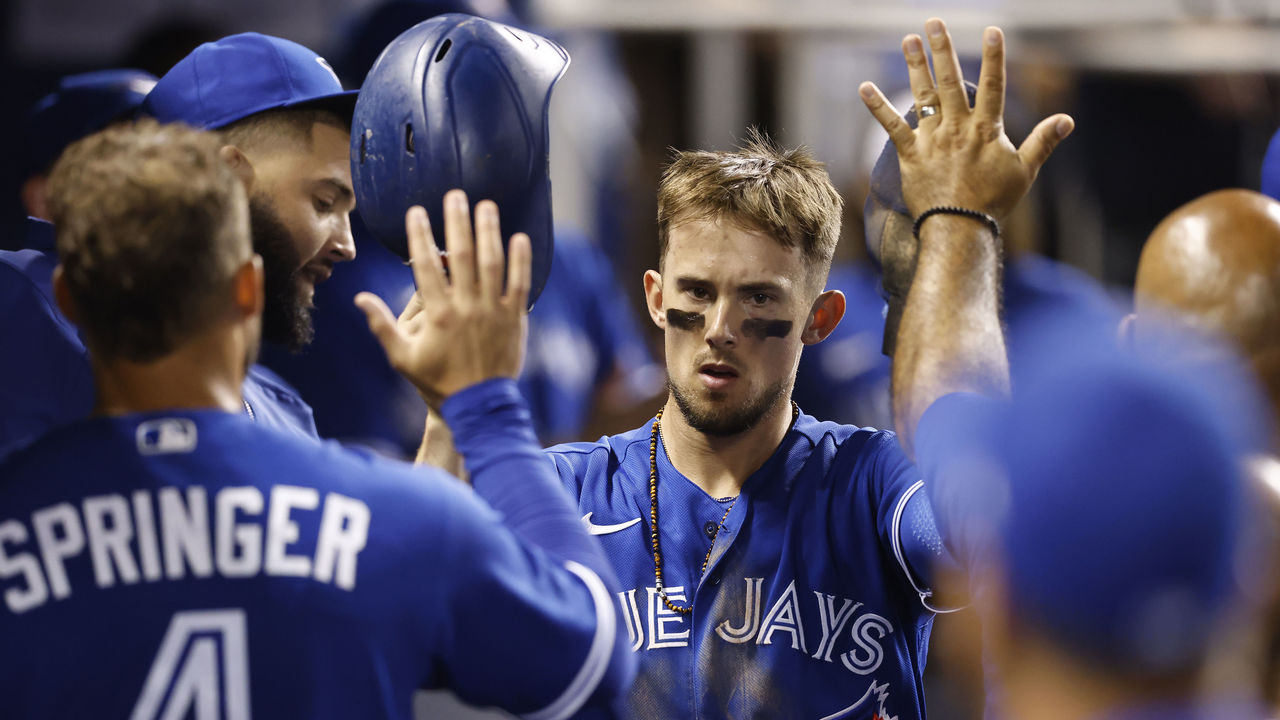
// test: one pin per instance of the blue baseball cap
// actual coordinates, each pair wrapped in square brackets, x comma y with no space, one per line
[240,75]
[82,104]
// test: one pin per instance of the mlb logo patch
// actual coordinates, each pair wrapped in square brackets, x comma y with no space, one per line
[166,436]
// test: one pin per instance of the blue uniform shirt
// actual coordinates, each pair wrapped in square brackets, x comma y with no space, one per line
[45,380]
[163,562]
[808,607]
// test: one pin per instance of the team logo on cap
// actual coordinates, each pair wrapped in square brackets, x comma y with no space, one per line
[325,64]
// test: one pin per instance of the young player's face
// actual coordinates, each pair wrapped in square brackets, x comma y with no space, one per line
[300,212]
[733,303]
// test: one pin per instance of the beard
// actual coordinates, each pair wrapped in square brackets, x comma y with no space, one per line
[286,315]
[719,421]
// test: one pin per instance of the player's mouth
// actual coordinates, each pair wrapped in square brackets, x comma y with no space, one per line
[316,274]
[717,376]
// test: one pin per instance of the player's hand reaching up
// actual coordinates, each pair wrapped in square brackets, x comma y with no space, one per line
[465,327]
[960,156]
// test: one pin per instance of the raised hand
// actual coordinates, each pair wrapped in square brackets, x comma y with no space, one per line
[960,156]
[465,328]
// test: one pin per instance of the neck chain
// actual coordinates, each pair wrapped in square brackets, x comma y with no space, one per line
[248,409]
[653,514]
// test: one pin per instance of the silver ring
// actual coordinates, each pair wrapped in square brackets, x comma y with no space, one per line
[925,111]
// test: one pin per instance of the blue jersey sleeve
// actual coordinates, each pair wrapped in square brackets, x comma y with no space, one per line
[906,521]
[529,632]
[492,431]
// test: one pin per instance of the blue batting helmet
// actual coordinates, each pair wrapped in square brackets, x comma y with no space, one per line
[458,102]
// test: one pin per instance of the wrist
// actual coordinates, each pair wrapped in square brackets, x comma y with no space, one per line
[937,212]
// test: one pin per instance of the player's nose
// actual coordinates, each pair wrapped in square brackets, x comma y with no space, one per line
[341,245]
[720,332]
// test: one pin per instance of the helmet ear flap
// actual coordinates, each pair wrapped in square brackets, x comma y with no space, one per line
[458,102]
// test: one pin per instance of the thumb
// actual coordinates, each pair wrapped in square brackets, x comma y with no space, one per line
[1039,145]
[383,325]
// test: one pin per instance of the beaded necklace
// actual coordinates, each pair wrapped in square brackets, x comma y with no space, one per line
[653,513]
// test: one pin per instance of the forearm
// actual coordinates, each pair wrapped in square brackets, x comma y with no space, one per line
[951,338]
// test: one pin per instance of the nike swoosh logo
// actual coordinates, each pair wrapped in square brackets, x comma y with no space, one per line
[594,529]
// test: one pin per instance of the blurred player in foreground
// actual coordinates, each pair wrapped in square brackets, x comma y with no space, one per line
[168,556]
[774,565]
[1104,516]
[1213,265]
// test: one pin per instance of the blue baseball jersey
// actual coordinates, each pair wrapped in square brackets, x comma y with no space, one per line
[192,564]
[810,606]
[45,379]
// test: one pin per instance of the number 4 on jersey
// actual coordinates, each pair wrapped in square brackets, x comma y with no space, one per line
[189,674]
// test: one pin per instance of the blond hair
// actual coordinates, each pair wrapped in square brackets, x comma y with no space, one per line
[760,186]
[151,224]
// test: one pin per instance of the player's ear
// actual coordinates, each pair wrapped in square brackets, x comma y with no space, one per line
[239,163]
[62,295]
[247,287]
[825,315]
[653,297]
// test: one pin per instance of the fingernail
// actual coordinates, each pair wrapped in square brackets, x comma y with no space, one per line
[934,28]
[1064,127]
[914,45]
[867,90]
[992,36]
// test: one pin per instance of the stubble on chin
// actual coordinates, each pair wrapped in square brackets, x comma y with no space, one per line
[707,412]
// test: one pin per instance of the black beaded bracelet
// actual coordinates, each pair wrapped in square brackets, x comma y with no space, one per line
[951,210]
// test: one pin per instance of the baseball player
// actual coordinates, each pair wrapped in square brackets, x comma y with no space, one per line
[168,557]
[1105,518]
[773,565]
[1213,265]
[47,380]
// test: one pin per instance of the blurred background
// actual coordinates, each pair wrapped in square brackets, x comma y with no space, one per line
[1172,98]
